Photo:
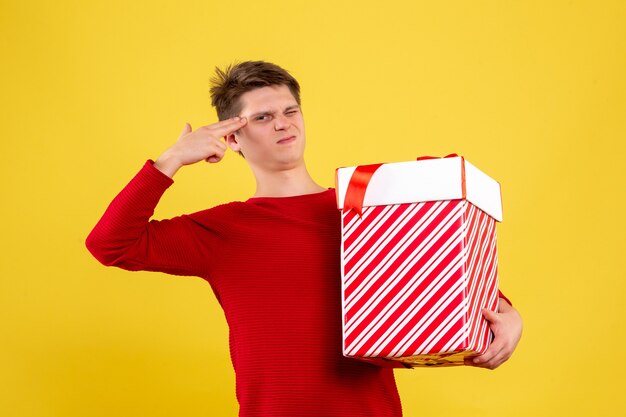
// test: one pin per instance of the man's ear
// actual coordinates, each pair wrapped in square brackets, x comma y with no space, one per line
[231,141]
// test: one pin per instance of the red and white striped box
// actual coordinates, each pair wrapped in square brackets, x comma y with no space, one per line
[419,260]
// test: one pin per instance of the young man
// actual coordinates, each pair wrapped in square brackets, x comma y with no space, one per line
[272,260]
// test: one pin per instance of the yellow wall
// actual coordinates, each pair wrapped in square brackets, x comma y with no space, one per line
[532,92]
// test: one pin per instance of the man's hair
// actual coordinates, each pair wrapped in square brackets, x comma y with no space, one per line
[230,84]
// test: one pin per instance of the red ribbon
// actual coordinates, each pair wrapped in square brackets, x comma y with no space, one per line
[452,155]
[355,194]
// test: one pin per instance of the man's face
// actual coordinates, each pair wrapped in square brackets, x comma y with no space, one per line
[273,138]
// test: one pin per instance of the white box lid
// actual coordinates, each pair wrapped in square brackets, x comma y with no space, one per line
[426,180]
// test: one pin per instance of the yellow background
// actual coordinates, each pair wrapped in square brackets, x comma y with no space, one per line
[532,92]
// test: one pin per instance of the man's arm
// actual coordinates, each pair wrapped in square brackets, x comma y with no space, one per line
[126,237]
[506,326]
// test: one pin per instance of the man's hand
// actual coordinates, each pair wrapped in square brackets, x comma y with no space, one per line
[506,326]
[203,143]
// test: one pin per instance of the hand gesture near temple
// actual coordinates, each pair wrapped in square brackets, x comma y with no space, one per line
[202,144]
[506,326]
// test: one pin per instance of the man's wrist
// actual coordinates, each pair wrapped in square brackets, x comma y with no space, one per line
[168,164]
[503,304]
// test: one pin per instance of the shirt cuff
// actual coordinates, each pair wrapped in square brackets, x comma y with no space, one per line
[500,295]
[157,173]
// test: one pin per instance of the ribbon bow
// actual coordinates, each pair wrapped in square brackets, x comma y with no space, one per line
[355,194]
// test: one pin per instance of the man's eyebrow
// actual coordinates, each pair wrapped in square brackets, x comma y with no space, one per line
[294,106]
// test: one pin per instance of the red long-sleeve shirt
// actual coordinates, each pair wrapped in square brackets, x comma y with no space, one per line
[274,266]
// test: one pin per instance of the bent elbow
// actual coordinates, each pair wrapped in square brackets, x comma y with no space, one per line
[101,250]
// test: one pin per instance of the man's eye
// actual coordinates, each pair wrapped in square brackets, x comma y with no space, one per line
[261,117]
[292,112]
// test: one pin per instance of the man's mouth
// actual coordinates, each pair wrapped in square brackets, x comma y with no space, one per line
[288,139]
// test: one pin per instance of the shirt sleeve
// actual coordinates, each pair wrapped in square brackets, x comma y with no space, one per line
[500,295]
[125,236]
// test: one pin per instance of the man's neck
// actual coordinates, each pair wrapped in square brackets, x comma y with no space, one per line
[285,183]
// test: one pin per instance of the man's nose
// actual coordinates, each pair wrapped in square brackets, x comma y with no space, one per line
[281,122]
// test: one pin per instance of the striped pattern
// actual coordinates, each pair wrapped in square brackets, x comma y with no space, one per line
[415,277]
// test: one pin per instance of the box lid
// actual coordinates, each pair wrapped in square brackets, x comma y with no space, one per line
[426,180]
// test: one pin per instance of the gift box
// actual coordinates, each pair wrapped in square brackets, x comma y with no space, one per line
[418,260]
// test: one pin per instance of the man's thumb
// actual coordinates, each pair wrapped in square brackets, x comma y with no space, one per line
[490,316]
[186,130]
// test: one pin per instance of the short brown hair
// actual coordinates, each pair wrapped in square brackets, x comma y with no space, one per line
[230,84]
